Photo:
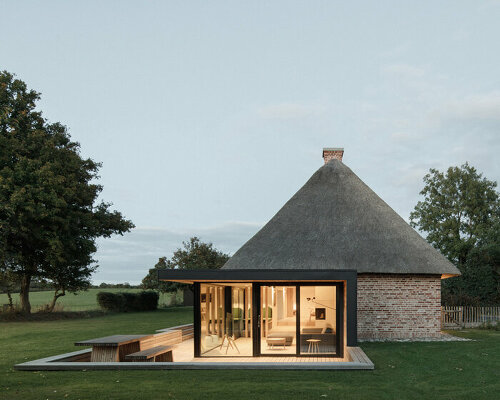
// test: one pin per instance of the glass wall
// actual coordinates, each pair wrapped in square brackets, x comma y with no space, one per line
[226,320]
[278,320]
[318,317]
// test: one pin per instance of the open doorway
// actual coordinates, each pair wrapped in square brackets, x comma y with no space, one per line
[226,320]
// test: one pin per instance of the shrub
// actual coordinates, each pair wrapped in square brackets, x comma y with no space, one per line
[126,301]
[490,325]
[111,301]
[147,301]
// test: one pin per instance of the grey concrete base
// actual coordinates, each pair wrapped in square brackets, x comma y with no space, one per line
[57,363]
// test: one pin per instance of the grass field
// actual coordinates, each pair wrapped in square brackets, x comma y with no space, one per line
[447,370]
[82,301]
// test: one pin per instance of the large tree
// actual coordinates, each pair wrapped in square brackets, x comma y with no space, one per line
[49,213]
[459,214]
[458,209]
[194,255]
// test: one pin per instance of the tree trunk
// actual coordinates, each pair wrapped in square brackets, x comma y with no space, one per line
[54,299]
[24,295]
[11,303]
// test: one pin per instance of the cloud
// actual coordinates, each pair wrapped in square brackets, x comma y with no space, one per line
[403,137]
[403,70]
[127,258]
[483,106]
[288,111]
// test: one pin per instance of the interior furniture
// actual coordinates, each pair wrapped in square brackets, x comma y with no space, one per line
[326,337]
[230,342]
[113,348]
[276,341]
[154,354]
[313,345]
[287,335]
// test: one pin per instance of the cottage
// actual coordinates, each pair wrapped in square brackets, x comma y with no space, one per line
[335,264]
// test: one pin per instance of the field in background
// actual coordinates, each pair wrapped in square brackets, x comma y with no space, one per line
[433,370]
[83,301]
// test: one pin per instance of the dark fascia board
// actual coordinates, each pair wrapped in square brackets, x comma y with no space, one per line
[255,275]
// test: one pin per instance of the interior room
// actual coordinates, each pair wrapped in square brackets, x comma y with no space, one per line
[278,316]
[226,319]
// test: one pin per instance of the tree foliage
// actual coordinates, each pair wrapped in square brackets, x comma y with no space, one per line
[460,214]
[194,255]
[49,214]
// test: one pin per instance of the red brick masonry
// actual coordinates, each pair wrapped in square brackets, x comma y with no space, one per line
[398,306]
[332,154]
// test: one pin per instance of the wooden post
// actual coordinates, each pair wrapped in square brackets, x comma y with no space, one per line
[219,328]
[212,309]
[245,311]
[250,302]
[262,316]
[207,311]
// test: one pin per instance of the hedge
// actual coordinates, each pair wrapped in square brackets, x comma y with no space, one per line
[126,301]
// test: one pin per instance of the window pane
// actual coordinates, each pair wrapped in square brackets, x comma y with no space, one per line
[318,313]
[226,331]
[278,320]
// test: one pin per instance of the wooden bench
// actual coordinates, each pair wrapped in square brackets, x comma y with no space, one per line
[187,331]
[157,347]
[168,338]
[154,354]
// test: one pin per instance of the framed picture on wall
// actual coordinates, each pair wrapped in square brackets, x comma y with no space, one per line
[320,313]
[204,297]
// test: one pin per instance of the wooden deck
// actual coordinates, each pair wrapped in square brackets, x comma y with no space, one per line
[183,358]
[355,359]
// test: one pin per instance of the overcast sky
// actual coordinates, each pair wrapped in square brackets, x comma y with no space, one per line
[209,115]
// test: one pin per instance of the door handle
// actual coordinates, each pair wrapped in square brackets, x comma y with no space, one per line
[258,321]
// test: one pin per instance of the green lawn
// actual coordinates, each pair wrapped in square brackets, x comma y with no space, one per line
[82,301]
[448,370]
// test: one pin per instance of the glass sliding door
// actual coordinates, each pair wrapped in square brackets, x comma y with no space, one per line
[278,322]
[225,319]
[318,320]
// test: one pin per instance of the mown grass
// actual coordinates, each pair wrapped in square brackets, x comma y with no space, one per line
[447,370]
[82,301]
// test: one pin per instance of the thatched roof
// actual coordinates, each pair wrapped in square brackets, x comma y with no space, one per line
[335,221]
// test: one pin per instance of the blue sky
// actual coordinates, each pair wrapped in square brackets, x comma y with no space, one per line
[209,116]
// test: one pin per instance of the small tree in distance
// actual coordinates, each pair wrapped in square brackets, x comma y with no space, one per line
[194,255]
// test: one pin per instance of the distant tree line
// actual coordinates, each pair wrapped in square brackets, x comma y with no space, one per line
[50,216]
[124,285]
[460,214]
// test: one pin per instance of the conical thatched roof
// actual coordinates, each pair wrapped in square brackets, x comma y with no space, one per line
[335,221]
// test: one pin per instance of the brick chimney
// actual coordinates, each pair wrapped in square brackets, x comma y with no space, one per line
[330,153]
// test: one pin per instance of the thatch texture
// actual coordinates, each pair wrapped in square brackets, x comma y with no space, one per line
[335,221]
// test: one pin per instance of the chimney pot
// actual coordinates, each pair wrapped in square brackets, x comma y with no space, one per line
[330,153]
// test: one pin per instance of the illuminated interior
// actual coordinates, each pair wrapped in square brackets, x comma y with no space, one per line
[226,319]
[227,328]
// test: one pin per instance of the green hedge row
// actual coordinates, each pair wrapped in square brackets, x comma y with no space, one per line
[126,302]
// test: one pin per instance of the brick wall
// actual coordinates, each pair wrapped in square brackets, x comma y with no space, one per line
[398,306]
[330,154]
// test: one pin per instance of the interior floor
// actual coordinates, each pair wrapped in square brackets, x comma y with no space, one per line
[243,347]
[184,352]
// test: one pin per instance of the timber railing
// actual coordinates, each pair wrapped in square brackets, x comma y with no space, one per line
[453,317]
